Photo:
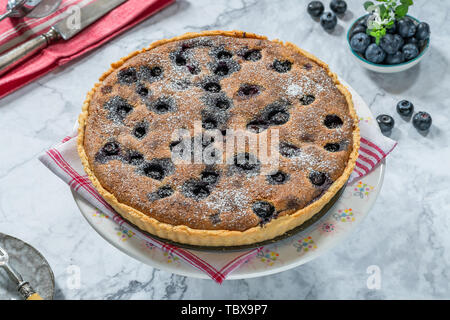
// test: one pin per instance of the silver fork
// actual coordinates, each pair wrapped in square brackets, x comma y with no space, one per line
[23,287]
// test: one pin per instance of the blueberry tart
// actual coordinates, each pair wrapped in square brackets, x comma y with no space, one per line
[224,81]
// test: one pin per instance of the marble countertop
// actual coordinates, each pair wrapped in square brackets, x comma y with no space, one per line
[406,234]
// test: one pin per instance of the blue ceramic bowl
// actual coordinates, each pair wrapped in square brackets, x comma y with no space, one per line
[386,68]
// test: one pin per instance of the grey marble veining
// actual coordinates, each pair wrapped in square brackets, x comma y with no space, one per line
[406,234]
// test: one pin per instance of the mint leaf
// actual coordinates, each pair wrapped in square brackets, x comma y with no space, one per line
[368,4]
[383,10]
[401,11]
[407,2]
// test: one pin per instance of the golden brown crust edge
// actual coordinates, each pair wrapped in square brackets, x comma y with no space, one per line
[187,235]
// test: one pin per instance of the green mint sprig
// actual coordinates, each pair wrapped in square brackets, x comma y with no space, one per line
[384,14]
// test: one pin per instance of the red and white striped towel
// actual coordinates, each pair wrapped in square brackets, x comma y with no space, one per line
[15,31]
[372,150]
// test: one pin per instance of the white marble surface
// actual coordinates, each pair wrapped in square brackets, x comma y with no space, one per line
[406,234]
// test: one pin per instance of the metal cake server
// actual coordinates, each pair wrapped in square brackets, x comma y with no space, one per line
[24,288]
[64,29]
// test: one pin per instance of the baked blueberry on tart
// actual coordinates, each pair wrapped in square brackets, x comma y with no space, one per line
[210,84]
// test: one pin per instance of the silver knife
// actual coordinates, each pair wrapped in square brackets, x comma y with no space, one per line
[64,29]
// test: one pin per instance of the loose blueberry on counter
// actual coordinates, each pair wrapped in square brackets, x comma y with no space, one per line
[410,51]
[386,123]
[391,43]
[328,20]
[358,29]
[406,28]
[282,66]
[338,6]
[405,108]
[253,55]
[278,177]
[423,31]
[332,121]
[315,8]
[375,53]
[264,210]
[395,58]
[127,76]
[317,178]
[359,42]
[422,121]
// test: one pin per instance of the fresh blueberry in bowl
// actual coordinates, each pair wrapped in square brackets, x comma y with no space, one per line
[422,121]
[358,29]
[406,27]
[423,31]
[412,40]
[395,58]
[410,51]
[360,42]
[363,21]
[338,6]
[328,20]
[405,108]
[386,123]
[391,43]
[315,9]
[374,53]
